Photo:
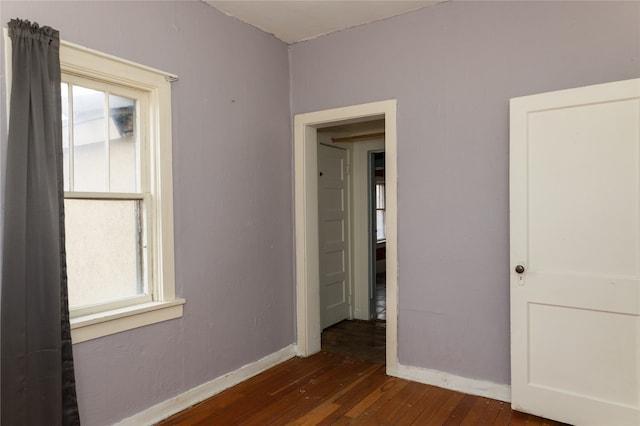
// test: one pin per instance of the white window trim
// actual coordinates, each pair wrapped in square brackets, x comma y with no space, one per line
[105,323]
[78,60]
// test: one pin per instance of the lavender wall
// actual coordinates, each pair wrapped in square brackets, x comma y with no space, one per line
[233,200]
[453,68]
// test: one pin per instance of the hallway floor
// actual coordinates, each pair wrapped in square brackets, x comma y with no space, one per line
[364,340]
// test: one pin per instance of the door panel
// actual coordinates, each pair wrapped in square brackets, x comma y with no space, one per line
[575,227]
[333,232]
[575,334]
[580,178]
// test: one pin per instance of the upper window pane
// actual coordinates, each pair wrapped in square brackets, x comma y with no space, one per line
[89,135]
[64,89]
[380,201]
[100,141]
[123,145]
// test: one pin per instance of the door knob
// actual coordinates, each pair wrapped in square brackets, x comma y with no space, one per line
[519,269]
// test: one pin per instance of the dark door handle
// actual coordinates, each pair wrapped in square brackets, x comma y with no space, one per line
[519,269]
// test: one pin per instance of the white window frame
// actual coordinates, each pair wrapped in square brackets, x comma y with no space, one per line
[156,85]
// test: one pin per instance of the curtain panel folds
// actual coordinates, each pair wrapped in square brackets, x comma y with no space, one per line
[37,376]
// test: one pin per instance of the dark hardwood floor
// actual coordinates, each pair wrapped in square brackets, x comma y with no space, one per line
[332,389]
[346,384]
[364,340]
[361,339]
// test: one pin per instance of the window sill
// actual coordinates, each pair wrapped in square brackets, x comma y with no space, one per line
[102,324]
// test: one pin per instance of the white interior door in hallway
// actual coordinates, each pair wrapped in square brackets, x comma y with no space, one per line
[575,254]
[333,221]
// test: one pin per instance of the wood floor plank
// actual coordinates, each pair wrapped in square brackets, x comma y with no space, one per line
[407,415]
[504,416]
[475,413]
[446,409]
[195,415]
[283,381]
[518,418]
[308,394]
[324,410]
[350,399]
[316,415]
[460,411]
[371,414]
[375,394]
[258,390]
[363,388]
[490,413]
[391,410]
[431,403]
[538,421]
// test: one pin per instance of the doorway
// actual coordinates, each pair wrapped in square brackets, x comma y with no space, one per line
[352,251]
[306,214]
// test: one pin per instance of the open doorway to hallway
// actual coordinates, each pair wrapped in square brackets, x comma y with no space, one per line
[360,333]
[306,133]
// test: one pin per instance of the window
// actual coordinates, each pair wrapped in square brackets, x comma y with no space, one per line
[380,210]
[105,196]
[116,119]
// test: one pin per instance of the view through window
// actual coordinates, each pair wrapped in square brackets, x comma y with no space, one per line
[105,198]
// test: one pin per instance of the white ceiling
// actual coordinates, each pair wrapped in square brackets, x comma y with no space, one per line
[296,20]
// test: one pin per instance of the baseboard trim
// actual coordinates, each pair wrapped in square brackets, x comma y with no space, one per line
[453,382]
[198,394]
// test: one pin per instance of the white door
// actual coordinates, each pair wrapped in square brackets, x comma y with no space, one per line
[575,233]
[333,233]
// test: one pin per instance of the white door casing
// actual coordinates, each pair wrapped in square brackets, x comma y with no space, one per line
[575,228]
[306,220]
[333,221]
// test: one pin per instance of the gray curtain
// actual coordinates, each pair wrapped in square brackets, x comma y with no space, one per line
[37,377]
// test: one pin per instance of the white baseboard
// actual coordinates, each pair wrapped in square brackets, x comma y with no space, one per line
[453,382]
[206,390]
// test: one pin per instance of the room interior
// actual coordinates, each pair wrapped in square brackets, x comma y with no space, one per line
[451,66]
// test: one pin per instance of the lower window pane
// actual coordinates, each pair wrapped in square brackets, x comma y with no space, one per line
[104,250]
[380,225]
